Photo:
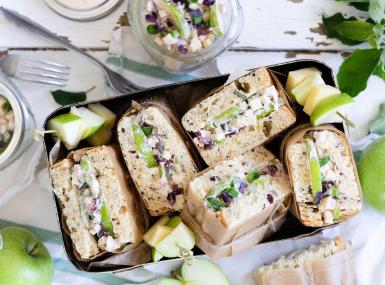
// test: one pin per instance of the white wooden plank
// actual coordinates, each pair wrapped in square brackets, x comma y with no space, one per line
[269,25]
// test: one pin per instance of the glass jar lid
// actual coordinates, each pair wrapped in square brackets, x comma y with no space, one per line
[84,10]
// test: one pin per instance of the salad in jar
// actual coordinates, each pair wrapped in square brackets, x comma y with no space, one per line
[185,26]
[7,123]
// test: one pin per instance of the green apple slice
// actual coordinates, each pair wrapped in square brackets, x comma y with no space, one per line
[104,112]
[203,272]
[142,145]
[106,221]
[216,20]
[180,237]
[328,109]
[156,234]
[315,167]
[174,222]
[227,115]
[297,76]
[69,129]
[170,281]
[156,256]
[176,17]
[317,94]
[93,122]
[302,90]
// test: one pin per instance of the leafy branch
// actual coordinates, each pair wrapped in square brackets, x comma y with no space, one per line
[356,70]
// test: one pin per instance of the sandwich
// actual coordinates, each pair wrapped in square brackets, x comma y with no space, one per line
[242,115]
[320,263]
[97,203]
[235,196]
[323,175]
[157,157]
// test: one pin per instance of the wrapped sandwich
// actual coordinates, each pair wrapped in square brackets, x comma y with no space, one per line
[240,116]
[323,175]
[233,197]
[327,263]
[97,203]
[156,156]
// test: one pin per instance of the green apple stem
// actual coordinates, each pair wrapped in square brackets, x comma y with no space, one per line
[32,251]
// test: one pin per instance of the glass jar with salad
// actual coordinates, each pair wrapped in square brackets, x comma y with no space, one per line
[182,35]
[16,123]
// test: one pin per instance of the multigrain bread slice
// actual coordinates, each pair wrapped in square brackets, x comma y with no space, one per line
[105,187]
[300,261]
[235,196]
[161,172]
[341,197]
[242,115]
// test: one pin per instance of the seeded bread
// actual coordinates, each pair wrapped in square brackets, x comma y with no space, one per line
[246,211]
[299,258]
[329,142]
[157,192]
[249,136]
[119,199]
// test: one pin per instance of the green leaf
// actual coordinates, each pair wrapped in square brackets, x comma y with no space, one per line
[377,126]
[377,35]
[376,10]
[66,98]
[361,6]
[324,160]
[147,130]
[215,203]
[354,30]
[152,29]
[356,69]
[252,176]
[331,22]
[380,70]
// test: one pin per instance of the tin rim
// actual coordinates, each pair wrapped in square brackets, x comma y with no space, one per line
[17,136]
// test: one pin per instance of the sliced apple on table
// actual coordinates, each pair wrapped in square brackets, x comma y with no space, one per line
[199,272]
[317,94]
[104,134]
[92,121]
[69,129]
[330,109]
[297,76]
[156,234]
[302,90]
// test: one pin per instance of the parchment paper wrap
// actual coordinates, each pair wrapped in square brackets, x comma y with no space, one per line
[337,269]
[296,135]
[257,230]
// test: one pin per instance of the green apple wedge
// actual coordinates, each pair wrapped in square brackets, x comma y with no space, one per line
[156,256]
[23,258]
[315,167]
[156,234]
[297,76]
[302,90]
[92,121]
[199,272]
[180,237]
[104,134]
[317,94]
[176,17]
[328,110]
[216,19]
[69,129]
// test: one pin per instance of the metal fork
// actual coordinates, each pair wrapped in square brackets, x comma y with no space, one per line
[117,82]
[34,70]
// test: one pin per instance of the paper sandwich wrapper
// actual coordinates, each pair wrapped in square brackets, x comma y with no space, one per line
[296,135]
[337,269]
[216,241]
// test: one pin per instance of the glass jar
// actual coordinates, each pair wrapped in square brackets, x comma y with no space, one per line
[175,62]
[24,123]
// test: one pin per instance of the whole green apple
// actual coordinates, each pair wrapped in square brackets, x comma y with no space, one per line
[23,258]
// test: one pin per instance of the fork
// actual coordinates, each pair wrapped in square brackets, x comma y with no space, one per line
[34,70]
[117,82]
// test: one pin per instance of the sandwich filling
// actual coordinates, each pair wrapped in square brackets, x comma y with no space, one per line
[150,144]
[226,191]
[92,204]
[246,113]
[325,174]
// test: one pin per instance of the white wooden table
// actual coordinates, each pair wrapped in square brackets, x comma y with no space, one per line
[275,31]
